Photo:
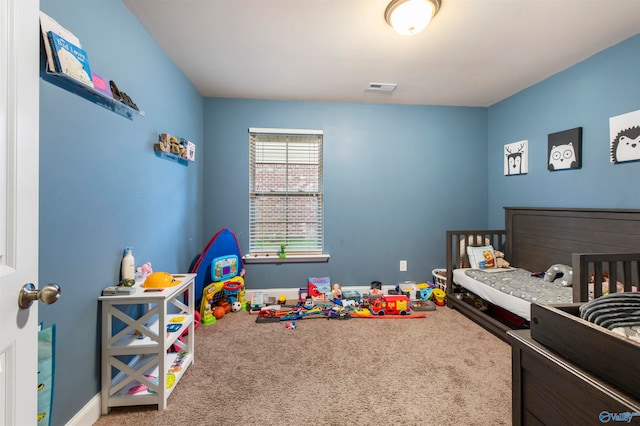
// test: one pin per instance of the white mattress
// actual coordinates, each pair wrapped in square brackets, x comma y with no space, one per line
[513,304]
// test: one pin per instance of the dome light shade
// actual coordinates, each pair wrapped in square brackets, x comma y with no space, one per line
[409,17]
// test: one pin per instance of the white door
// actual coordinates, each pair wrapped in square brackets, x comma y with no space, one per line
[19,111]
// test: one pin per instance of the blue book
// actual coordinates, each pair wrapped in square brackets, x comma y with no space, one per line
[70,59]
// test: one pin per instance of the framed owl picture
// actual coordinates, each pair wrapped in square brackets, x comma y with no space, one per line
[565,150]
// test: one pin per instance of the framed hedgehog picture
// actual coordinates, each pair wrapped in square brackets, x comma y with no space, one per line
[624,137]
[516,158]
[565,150]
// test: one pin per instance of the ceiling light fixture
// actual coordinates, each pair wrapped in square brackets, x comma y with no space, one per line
[409,17]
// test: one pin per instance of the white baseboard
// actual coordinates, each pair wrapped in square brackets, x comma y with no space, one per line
[89,414]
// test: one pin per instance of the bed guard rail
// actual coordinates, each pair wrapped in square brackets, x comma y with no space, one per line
[617,271]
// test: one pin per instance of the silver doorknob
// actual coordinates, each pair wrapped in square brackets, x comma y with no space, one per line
[28,293]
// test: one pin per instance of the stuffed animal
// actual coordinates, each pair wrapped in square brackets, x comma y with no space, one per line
[564,273]
[605,285]
[501,262]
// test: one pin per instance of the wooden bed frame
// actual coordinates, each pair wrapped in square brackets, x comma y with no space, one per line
[592,241]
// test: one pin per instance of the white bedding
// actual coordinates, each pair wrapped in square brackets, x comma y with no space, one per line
[512,290]
[513,304]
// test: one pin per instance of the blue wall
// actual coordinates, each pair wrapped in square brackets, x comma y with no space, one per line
[585,95]
[102,188]
[395,178]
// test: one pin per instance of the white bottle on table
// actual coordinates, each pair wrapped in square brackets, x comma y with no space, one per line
[128,264]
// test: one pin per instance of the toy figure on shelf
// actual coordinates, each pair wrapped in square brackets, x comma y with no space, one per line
[282,254]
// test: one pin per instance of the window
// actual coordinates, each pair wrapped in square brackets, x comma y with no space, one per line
[285,192]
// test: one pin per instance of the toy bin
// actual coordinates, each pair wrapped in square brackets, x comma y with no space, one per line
[440,278]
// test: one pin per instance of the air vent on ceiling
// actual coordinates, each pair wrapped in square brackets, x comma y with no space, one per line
[382,87]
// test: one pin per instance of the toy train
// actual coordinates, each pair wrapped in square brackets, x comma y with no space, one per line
[398,304]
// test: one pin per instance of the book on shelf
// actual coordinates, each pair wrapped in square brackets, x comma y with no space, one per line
[70,59]
[101,84]
[47,24]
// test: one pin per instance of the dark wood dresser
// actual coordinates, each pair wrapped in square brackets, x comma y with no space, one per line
[549,390]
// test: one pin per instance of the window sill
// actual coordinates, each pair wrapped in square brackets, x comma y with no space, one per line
[291,258]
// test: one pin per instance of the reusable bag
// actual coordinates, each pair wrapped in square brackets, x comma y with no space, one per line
[46,369]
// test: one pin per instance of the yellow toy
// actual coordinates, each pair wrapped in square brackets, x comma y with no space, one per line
[208,300]
[439,295]
[160,280]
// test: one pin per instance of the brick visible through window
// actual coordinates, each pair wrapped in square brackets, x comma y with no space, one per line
[285,194]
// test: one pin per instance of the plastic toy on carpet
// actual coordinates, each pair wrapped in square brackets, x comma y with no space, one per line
[365,313]
[224,247]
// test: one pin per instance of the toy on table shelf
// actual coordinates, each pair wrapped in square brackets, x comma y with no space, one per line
[282,254]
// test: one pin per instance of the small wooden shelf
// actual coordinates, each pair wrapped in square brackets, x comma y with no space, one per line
[136,344]
[89,94]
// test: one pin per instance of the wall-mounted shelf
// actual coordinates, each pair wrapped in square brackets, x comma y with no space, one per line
[172,157]
[173,148]
[89,94]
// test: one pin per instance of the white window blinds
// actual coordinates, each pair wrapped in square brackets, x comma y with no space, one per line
[285,194]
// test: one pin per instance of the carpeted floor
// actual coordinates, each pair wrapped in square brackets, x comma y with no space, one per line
[439,370]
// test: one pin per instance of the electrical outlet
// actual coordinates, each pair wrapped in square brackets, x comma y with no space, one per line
[403,265]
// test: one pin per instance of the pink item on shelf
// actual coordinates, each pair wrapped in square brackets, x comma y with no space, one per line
[141,388]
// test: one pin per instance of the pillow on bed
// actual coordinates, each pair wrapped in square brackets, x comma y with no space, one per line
[564,274]
[464,258]
[483,257]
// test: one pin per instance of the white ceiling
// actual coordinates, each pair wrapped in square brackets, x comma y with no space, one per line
[474,52]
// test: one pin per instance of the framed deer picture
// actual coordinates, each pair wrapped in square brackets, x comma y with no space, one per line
[516,158]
